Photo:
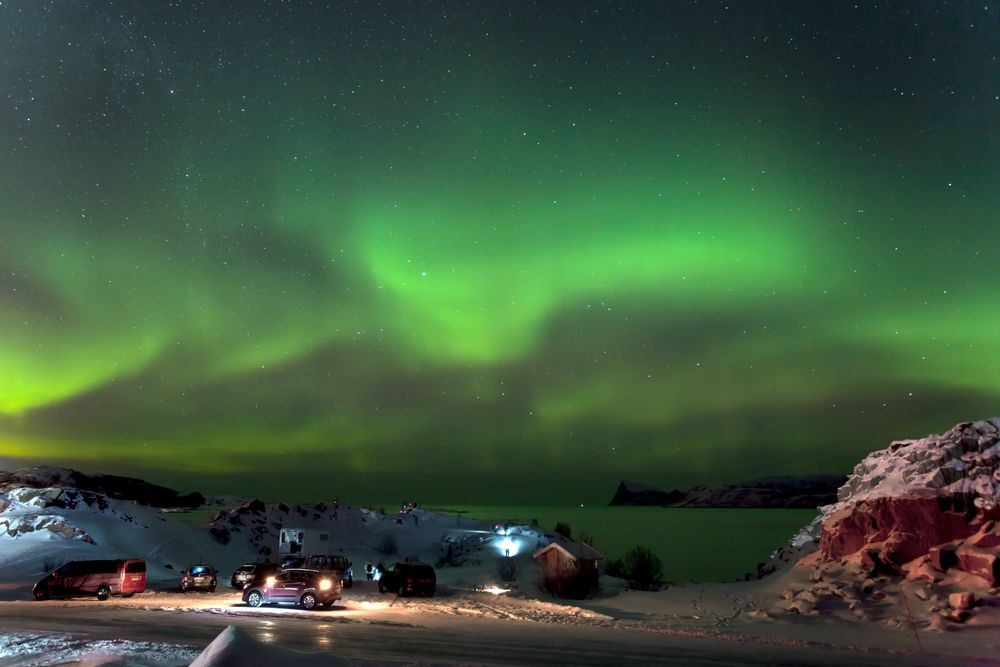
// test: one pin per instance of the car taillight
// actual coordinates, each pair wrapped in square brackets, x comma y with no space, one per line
[409,580]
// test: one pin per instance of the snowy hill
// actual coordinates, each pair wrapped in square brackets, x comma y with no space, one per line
[112,486]
[42,527]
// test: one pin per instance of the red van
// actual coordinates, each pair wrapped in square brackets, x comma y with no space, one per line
[101,578]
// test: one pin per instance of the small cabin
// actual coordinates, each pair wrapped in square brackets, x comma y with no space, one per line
[569,569]
[302,542]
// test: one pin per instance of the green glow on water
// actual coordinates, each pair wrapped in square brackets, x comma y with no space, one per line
[694,544]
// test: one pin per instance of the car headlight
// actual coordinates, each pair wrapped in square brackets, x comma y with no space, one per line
[270,581]
[325,584]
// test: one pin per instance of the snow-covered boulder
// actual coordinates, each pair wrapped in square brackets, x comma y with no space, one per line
[902,501]
[234,647]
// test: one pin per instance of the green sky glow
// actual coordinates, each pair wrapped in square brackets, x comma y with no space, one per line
[434,253]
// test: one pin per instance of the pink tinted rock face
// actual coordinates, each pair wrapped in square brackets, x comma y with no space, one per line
[983,563]
[898,529]
[936,498]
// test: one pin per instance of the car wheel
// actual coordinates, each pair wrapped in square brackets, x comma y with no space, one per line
[42,593]
[328,604]
[211,589]
[255,599]
[103,592]
[308,601]
[430,592]
[381,587]
[349,582]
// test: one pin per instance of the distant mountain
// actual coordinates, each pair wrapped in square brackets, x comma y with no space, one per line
[112,486]
[785,491]
[634,493]
[808,491]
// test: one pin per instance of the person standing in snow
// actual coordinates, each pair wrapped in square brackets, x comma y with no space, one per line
[369,571]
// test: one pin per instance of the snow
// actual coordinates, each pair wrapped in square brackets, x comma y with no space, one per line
[234,647]
[40,650]
[963,460]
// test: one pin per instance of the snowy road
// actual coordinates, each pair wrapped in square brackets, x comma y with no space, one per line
[385,635]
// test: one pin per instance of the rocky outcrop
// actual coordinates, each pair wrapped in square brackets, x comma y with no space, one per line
[634,493]
[41,501]
[809,491]
[15,527]
[27,510]
[978,554]
[112,486]
[932,500]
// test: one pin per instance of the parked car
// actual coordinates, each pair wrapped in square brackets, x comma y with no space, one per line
[325,563]
[198,577]
[306,588]
[408,579]
[100,578]
[245,574]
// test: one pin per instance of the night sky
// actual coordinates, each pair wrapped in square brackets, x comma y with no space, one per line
[488,251]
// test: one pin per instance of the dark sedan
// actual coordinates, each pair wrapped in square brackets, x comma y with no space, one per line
[408,579]
[306,588]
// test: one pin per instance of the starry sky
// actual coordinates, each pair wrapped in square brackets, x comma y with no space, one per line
[485,251]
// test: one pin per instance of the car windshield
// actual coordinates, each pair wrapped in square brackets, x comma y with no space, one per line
[246,568]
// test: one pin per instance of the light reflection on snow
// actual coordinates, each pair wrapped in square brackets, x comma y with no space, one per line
[496,590]
[367,604]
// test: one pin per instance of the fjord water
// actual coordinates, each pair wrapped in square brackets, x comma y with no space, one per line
[695,544]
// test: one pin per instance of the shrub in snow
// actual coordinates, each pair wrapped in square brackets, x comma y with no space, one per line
[507,569]
[643,568]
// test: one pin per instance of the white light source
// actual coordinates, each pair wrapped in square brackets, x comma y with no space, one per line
[509,546]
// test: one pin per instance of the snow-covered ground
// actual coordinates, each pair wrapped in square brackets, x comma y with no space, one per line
[41,529]
[725,624]
[518,624]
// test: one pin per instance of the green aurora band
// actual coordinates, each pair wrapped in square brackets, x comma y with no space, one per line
[458,268]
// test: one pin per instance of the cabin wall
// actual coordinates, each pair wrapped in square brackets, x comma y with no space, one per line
[566,577]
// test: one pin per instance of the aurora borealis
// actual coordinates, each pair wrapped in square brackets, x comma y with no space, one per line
[464,251]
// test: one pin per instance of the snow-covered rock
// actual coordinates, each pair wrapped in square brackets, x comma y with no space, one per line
[902,501]
[111,486]
[27,510]
[964,460]
[235,647]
